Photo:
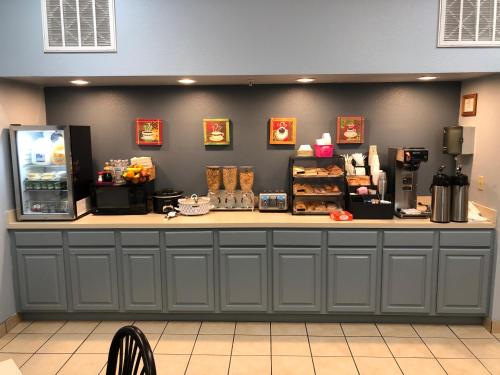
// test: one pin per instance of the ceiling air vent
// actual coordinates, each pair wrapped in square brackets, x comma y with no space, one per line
[79,25]
[469,23]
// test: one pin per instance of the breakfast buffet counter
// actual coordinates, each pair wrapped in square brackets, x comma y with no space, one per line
[267,265]
[234,219]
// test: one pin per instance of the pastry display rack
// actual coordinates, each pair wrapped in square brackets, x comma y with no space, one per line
[317,185]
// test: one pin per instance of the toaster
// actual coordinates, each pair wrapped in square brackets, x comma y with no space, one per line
[270,201]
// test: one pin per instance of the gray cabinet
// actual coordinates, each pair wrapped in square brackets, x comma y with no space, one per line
[243,279]
[190,279]
[255,270]
[41,279]
[94,279]
[352,280]
[142,279]
[142,285]
[463,281]
[94,274]
[297,279]
[406,280]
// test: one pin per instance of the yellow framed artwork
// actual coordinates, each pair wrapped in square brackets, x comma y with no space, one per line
[216,132]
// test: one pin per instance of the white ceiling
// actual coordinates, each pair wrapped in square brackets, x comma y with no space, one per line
[244,80]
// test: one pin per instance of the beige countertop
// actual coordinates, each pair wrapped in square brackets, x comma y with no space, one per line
[234,219]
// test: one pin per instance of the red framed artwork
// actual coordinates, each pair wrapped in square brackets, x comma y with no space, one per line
[350,129]
[148,132]
[282,131]
[216,132]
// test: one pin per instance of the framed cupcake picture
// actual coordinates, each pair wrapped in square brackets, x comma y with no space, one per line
[216,132]
[350,129]
[148,132]
[282,131]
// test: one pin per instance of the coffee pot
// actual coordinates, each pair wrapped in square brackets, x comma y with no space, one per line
[459,196]
[440,191]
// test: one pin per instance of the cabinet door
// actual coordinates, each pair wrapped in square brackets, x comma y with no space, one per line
[243,279]
[463,281]
[42,283]
[142,279]
[190,280]
[297,279]
[406,280]
[94,279]
[352,278]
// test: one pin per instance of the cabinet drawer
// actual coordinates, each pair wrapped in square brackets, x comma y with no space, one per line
[408,238]
[91,238]
[190,238]
[297,238]
[131,238]
[38,239]
[465,238]
[352,238]
[242,238]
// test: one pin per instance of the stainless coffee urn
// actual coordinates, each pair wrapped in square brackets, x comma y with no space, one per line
[459,196]
[441,192]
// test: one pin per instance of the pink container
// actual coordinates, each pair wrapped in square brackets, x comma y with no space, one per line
[325,151]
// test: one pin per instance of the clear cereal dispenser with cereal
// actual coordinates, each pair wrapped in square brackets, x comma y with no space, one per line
[214,178]
[246,185]
[229,178]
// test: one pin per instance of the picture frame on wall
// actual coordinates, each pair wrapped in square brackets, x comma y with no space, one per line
[148,132]
[216,132]
[350,130]
[469,104]
[282,131]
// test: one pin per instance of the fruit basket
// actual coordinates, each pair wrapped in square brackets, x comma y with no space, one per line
[137,174]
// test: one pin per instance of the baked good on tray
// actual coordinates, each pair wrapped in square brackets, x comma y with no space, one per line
[301,188]
[364,180]
[359,180]
[300,206]
[331,206]
[311,172]
[334,170]
[298,170]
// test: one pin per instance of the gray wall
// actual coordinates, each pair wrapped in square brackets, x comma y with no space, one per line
[240,37]
[396,114]
[485,160]
[19,103]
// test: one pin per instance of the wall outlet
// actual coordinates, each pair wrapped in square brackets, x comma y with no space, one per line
[480,183]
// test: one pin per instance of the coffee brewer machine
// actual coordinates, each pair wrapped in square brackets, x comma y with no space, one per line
[404,163]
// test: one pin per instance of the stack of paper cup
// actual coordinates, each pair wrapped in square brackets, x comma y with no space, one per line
[374,163]
[372,151]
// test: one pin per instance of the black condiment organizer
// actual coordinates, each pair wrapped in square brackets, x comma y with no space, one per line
[360,209]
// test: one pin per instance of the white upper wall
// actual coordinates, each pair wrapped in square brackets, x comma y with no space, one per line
[247,37]
[19,104]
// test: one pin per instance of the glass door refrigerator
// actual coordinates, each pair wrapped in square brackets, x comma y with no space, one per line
[52,171]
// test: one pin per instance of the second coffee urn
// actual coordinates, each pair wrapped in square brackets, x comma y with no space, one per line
[459,196]
[440,190]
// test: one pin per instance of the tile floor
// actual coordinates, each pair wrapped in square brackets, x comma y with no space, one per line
[228,348]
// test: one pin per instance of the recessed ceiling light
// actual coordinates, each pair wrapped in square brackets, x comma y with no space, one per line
[427,78]
[186,81]
[79,82]
[306,80]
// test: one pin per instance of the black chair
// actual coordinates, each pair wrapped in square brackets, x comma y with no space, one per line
[130,353]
